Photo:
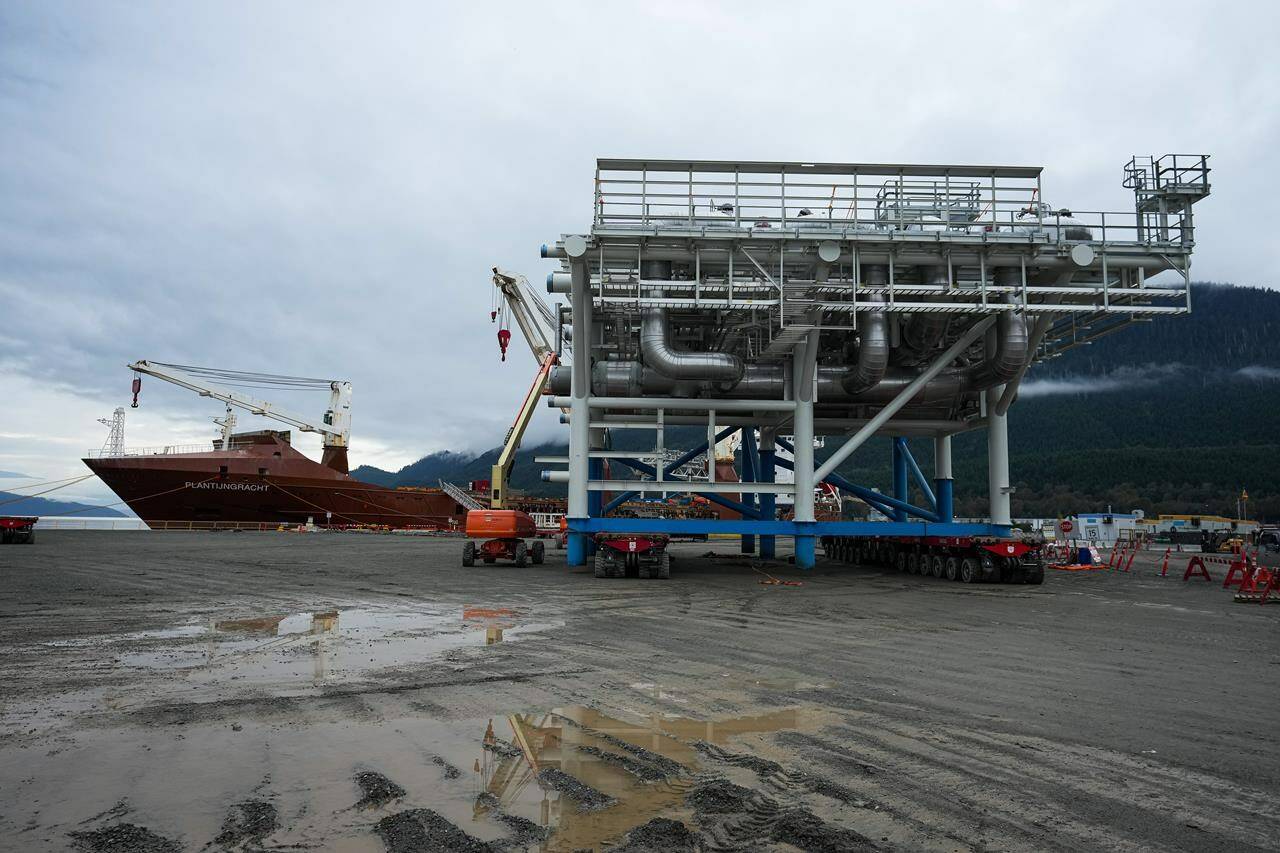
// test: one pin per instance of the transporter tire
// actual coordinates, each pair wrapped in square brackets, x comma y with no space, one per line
[970,570]
[913,563]
[664,567]
[539,552]
[1035,576]
[521,555]
[952,569]
[900,561]
[991,571]
[935,566]
[468,553]
[6,536]
[600,566]
[31,537]
[559,543]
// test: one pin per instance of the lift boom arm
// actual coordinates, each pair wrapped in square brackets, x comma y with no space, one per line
[335,425]
[506,459]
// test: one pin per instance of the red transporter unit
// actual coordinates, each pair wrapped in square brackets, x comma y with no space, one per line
[18,529]
[634,555]
[504,532]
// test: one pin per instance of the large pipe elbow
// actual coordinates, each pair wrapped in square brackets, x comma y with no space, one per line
[1011,351]
[662,357]
[873,352]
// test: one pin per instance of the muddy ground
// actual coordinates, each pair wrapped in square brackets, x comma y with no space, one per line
[199,691]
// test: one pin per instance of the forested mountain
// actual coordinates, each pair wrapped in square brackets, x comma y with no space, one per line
[13,504]
[1174,415]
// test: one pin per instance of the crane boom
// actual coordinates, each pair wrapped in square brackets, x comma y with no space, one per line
[334,426]
[507,458]
[532,315]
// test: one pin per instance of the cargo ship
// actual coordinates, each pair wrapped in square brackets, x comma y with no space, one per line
[253,479]
[260,478]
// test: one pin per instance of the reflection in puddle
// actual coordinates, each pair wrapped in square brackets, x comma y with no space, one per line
[323,645]
[606,776]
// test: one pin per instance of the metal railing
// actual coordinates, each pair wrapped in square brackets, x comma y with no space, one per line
[1001,204]
[162,450]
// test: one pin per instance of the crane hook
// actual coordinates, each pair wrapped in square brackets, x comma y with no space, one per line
[137,386]
[504,338]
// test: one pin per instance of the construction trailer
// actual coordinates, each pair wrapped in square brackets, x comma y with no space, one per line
[839,300]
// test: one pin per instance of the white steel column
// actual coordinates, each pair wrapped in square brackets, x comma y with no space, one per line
[802,389]
[998,459]
[580,388]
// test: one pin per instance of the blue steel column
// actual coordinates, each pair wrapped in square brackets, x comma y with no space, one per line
[768,502]
[580,389]
[943,484]
[750,474]
[900,476]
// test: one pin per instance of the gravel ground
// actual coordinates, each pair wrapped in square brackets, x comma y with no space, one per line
[199,691]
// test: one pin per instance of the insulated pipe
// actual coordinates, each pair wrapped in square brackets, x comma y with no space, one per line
[659,354]
[923,331]
[873,353]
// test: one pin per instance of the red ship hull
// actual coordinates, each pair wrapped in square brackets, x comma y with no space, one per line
[264,480]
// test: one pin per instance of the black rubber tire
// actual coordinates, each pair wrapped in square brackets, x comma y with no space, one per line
[1035,576]
[559,544]
[900,561]
[601,565]
[31,537]
[539,552]
[522,555]
[970,570]
[951,569]
[936,566]
[991,568]
[6,536]
[468,553]
[913,563]
[664,567]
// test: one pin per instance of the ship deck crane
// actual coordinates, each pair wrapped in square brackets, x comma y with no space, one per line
[334,426]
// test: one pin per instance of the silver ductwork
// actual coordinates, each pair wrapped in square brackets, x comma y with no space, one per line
[873,342]
[659,354]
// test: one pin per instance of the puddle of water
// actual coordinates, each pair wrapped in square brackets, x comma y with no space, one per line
[320,646]
[473,772]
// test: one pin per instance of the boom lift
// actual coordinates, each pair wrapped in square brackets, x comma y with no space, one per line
[504,530]
[334,426]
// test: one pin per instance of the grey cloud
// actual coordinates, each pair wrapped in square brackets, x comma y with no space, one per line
[324,193]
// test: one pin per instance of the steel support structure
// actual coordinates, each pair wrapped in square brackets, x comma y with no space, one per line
[840,300]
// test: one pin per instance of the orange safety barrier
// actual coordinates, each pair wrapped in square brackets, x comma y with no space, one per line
[1196,566]
[1259,585]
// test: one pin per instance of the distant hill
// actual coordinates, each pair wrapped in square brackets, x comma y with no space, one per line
[1175,415]
[43,506]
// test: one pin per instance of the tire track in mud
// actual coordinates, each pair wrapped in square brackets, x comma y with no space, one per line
[1025,797]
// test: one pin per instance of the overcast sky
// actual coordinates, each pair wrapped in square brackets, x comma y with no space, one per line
[321,189]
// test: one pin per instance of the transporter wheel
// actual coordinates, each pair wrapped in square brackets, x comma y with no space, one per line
[1036,576]
[31,537]
[952,569]
[664,567]
[913,563]
[559,543]
[522,555]
[539,552]
[900,561]
[468,553]
[6,536]
[970,571]
[601,565]
[935,566]
[990,568]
